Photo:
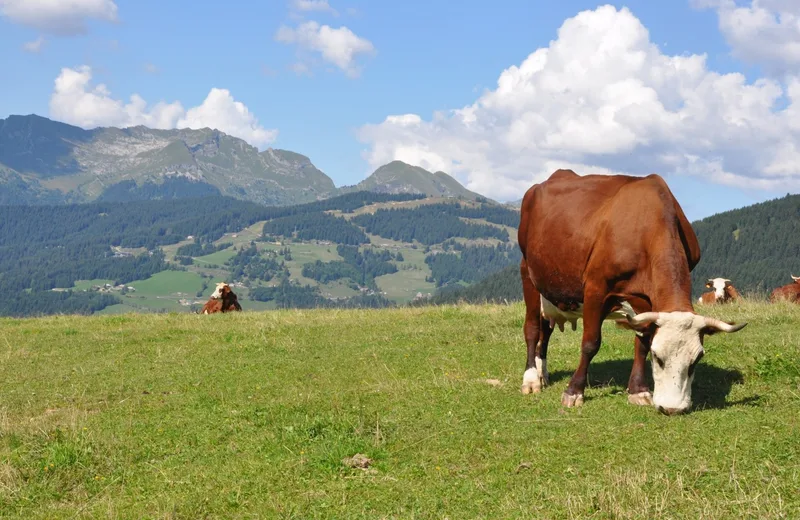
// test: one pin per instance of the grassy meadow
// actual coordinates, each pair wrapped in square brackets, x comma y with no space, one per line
[250,415]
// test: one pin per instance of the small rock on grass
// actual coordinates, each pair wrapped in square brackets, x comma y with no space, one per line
[359,460]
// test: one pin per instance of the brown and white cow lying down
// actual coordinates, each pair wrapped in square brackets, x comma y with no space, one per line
[223,299]
[724,292]
[789,292]
[608,247]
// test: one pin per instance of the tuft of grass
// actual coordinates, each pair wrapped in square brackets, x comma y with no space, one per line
[250,415]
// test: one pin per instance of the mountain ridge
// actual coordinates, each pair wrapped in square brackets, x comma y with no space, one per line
[47,161]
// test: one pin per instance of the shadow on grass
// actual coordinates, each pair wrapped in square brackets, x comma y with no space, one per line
[710,390]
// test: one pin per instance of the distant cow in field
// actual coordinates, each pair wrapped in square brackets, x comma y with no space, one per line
[603,247]
[789,292]
[724,292]
[222,300]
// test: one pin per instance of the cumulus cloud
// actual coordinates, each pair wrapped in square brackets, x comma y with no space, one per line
[76,101]
[313,5]
[603,98]
[35,46]
[765,32]
[221,111]
[59,17]
[339,46]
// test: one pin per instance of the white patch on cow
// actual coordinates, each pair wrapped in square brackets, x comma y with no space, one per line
[531,384]
[217,294]
[676,345]
[558,317]
[536,377]
[700,300]
[541,367]
[205,311]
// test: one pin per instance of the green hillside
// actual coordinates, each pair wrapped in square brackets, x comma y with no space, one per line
[345,251]
[257,415]
[756,247]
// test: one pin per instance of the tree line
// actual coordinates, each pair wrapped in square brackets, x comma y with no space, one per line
[316,226]
[428,224]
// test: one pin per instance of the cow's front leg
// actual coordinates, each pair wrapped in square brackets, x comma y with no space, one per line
[638,391]
[590,344]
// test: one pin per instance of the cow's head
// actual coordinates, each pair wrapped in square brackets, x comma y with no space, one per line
[719,285]
[221,290]
[675,350]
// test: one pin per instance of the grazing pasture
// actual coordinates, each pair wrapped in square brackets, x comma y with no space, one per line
[258,414]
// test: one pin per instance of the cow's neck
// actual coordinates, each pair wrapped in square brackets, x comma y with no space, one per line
[672,283]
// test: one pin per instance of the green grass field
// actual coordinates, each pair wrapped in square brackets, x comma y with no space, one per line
[169,283]
[249,415]
[218,258]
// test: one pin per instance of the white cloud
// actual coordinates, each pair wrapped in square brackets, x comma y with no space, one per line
[221,111]
[766,32]
[603,98]
[76,101]
[313,5]
[339,46]
[59,17]
[151,68]
[35,46]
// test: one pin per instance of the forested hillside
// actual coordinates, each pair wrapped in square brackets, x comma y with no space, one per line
[362,249]
[359,249]
[48,247]
[756,247]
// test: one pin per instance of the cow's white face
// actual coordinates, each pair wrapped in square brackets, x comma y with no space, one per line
[675,351]
[217,294]
[719,285]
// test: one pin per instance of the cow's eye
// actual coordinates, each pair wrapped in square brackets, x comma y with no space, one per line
[695,362]
[657,360]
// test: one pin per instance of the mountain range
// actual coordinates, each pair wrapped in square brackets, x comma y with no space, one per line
[47,162]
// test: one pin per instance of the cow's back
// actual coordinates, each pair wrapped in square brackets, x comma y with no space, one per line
[790,293]
[597,226]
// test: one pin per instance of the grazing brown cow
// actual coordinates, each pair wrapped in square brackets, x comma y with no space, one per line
[607,247]
[222,300]
[724,292]
[789,292]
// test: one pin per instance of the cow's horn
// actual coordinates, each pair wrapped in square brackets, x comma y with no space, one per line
[644,318]
[795,278]
[722,326]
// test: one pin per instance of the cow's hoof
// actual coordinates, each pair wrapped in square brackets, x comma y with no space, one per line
[532,382]
[530,388]
[641,399]
[571,401]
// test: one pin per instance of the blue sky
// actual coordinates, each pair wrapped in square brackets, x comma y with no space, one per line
[419,58]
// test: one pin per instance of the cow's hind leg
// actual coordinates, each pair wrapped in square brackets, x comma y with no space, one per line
[537,333]
[590,344]
[638,391]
